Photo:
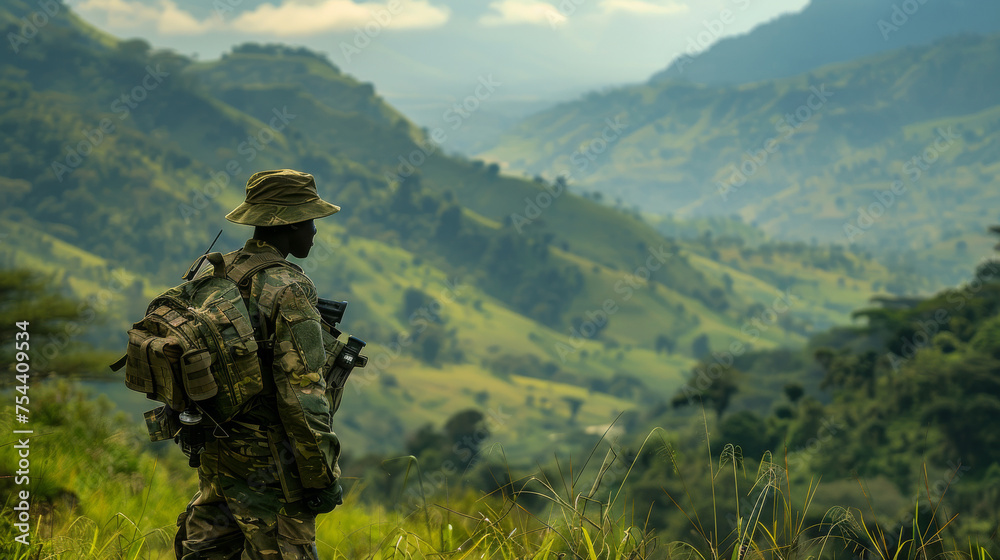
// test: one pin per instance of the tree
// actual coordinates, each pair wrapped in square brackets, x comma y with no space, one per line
[574,406]
[794,391]
[664,344]
[449,222]
[465,432]
[699,346]
[27,296]
[747,430]
[432,342]
[425,438]
[53,320]
[715,390]
[134,48]
[419,307]
[849,371]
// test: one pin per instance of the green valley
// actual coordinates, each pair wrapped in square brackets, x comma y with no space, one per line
[677,321]
[114,189]
[891,153]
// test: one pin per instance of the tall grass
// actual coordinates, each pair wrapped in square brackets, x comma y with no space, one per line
[97,495]
[94,492]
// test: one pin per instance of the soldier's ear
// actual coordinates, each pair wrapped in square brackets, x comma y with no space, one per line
[309,224]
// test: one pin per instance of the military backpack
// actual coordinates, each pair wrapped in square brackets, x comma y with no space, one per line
[196,349]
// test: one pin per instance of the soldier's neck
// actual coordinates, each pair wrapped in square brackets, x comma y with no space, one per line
[281,244]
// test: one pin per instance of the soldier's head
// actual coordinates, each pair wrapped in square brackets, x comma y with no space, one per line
[282,205]
[295,239]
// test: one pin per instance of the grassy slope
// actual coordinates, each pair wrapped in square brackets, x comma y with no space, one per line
[379,274]
[123,502]
[98,490]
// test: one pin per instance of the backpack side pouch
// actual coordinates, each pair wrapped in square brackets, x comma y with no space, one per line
[151,366]
[138,373]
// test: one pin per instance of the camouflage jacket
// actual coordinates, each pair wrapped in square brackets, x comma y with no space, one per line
[282,302]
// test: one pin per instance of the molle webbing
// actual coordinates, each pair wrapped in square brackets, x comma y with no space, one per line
[198,344]
[203,343]
[242,272]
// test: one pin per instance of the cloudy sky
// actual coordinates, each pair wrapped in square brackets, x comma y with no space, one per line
[422,53]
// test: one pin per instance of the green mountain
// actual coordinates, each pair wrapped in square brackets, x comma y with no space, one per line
[474,289]
[804,41]
[893,152]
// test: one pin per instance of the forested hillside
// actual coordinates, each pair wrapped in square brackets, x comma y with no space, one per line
[119,161]
[894,417]
[891,153]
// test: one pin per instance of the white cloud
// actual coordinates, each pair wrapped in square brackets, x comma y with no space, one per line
[643,7]
[509,12]
[165,16]
[298,17]
[289,19]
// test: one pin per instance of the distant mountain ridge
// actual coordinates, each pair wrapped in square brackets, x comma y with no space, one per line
[777,154]
[826,32]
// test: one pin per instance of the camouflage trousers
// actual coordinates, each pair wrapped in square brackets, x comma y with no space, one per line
[240,511]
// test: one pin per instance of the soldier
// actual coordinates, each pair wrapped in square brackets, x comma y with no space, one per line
[261,487]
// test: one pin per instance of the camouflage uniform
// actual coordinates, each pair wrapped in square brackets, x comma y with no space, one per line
[281,450]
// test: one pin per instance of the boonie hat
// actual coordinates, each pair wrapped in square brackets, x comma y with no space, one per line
[280,197]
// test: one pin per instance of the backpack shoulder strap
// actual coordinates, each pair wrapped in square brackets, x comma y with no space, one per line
[239,270]
[242,272]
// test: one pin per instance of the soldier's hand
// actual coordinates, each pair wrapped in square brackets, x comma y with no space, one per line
[325,500]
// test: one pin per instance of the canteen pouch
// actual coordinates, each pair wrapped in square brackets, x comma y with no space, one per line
[161,424]
[196,372]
